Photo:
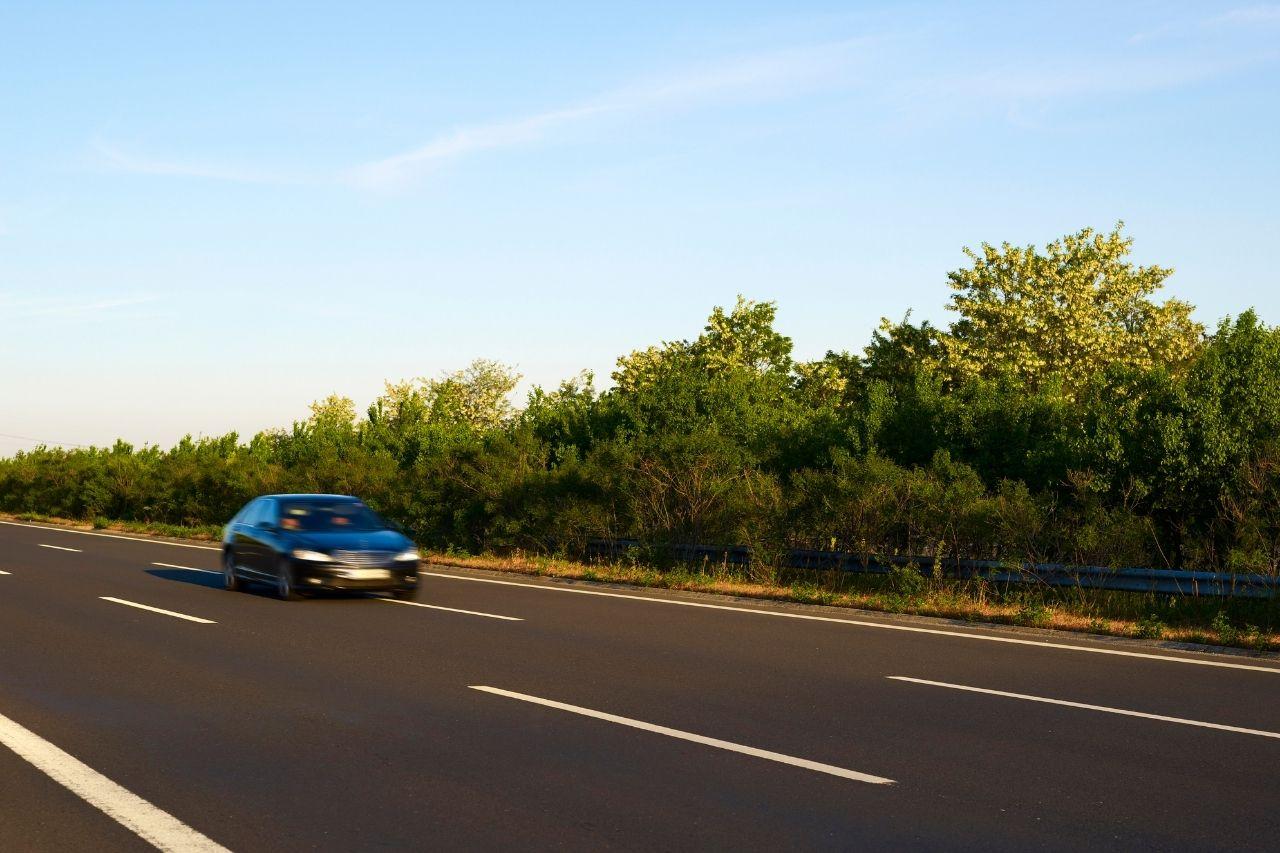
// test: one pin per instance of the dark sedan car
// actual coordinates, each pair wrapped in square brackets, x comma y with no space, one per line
[301,543]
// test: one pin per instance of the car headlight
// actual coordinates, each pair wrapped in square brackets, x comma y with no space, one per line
[411,554]
[312,556]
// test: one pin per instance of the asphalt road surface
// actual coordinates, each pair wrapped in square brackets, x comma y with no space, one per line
[590,717]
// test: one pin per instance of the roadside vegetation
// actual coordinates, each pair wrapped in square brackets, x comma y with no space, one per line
[1067,414]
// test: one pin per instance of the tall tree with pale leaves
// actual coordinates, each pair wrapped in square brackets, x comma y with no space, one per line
[1064,314]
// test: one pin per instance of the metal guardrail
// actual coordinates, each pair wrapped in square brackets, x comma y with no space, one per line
[1137,579]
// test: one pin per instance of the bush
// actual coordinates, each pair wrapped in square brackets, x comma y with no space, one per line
[1034,613]
[907,581]
[1150,627]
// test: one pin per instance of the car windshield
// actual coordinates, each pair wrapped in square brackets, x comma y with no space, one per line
[328,516]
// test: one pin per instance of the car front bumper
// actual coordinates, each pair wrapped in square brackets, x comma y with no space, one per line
[328,576]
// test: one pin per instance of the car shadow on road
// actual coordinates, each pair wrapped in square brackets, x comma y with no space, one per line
[190,576]
[213,580]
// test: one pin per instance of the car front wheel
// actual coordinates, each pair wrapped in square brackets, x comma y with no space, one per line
[285,590]
[229,580]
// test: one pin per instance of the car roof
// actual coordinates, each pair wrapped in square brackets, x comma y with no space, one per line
[308,497]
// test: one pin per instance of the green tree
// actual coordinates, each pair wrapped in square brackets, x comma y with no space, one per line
[477,396]
[741,339]
[744,338]
[899,350]
[1175,445]
[1066,313]
[562,419]
[333,412]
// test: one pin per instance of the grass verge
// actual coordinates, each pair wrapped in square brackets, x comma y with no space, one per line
[1243,624]
[206,532]
[1240,623]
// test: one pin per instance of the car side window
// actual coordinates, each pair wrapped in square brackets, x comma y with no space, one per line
[252,513]
[240,516]
[268,513]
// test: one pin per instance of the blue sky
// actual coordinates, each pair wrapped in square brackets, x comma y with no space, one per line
[213,214]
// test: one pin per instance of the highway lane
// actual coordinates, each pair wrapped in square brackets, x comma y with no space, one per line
[351,723]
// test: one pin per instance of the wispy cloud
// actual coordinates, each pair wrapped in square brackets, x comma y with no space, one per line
[1124,76]
[22,308]
[1262,13]
[397,169]
[894,73]
[764,75]
[1259,15]
[1156,32]
[774,74]
[117,159]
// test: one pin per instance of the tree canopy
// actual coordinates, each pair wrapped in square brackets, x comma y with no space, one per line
[1064,314]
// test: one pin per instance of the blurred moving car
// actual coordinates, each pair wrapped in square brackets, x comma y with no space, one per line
[301,543]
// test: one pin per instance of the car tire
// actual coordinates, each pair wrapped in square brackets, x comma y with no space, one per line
[285,589]
[230,582]
[404,594]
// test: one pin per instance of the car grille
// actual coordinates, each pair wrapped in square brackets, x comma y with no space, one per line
[363,558]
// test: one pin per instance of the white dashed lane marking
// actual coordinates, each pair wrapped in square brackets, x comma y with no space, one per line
[1084,706]
[186,568]
[816,766]
[157,610]
[453,609]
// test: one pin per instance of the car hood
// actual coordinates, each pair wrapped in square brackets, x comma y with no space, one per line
[355,540]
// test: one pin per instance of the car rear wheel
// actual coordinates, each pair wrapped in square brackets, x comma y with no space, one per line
[285,590]
[229,580]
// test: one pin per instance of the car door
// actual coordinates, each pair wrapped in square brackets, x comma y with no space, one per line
[266,535]
[245,538]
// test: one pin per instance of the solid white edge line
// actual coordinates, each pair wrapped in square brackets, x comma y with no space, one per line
[5,573]
[1105,709]
[453,609]
[111,536]
[805,763]
[157,610]
[186,568]
[861,623]
[153,825]
[59,548]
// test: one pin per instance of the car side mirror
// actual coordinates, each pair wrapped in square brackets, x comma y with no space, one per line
[266,525]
